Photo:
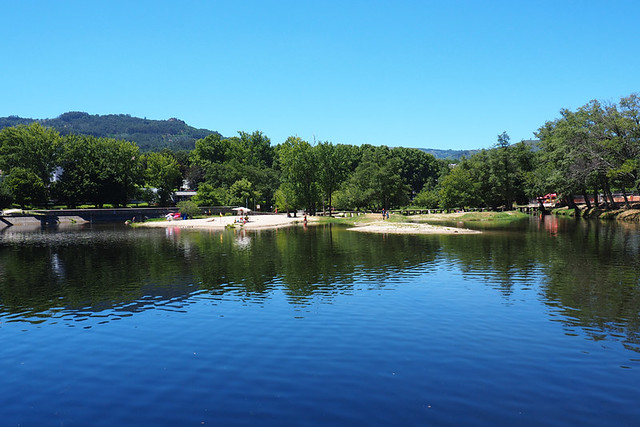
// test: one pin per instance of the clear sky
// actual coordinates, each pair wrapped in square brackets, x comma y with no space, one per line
[426,74]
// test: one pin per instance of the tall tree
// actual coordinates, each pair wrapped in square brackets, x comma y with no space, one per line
[26,187]
[99,170]
[459,189]
[376,183]
[253,149]
[503,171]
[417,168]
[246,156]
[333,167]
[619,135]
[211,149]
[163,173]
[298,163]
[569,158]
[79,163]
[33,148]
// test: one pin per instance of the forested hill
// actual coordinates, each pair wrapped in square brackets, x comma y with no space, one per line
[149,135]
[533,144]
[449,154]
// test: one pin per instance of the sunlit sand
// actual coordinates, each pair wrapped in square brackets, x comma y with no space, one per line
[216,222]
[410,228]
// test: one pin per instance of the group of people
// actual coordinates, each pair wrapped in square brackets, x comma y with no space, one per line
[385,213]
[242,220]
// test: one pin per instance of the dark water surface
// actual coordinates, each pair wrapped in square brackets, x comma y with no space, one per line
[534,324]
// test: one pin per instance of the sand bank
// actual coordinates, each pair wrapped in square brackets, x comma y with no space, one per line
[409,228]
[220,223]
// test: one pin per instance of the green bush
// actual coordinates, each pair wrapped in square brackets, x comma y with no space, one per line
[188,208]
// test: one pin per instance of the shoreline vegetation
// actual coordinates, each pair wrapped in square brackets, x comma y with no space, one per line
[598,213]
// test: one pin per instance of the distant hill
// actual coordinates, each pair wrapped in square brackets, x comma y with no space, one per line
[458,154]
[449,154]
[154,135]
[150,135]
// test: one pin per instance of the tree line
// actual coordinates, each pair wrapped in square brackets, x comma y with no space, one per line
[594,150]
[591,152]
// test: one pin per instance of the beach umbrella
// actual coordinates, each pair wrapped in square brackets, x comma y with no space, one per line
[242,209]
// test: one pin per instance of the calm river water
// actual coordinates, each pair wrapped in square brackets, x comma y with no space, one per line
[534,324]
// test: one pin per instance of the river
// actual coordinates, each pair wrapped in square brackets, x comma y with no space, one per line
[534,323]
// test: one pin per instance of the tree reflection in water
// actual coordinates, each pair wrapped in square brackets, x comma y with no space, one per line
[588,272]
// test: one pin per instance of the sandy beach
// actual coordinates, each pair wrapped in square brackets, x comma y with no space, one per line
[409,228]
[220,223]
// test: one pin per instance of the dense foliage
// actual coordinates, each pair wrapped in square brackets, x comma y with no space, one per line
[591,151]
[594,149]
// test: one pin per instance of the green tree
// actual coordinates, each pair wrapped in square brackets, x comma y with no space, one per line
[211,149]
[459,189]
[253,149]
[98,170]
[333,163]
[6,197]
[249,156]
[428,197]
[286,198]
[503,171]
[572,160]
[188,208]
[417,168]
[33,148]
[26,187]
[163,173]
[376,182]
[243,193]
[622,143]
[298,164]
[207,195]
[79,162]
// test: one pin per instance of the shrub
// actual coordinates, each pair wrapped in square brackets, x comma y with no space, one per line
[188,208]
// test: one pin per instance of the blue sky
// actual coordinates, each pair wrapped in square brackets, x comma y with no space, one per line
[426,74]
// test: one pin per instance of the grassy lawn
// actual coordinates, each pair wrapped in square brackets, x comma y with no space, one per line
[485,217]
[350,221]
[497,217]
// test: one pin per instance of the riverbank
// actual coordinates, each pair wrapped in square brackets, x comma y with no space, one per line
[486,217]
[597,213]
